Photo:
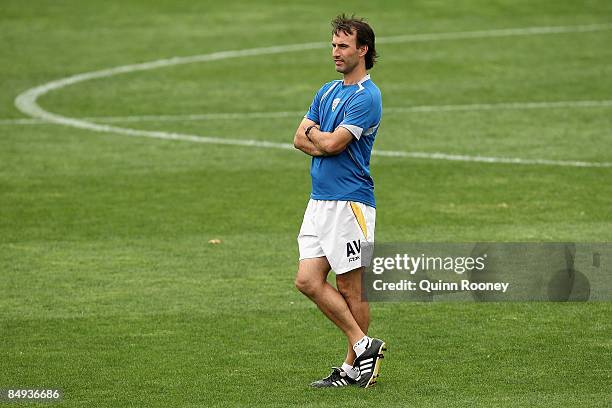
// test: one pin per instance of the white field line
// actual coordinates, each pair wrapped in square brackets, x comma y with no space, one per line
[507,32]
[26,102]
[27,121]
[169,118]
[485,159]
[298,114]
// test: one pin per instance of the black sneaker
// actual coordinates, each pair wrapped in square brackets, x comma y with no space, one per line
[369,363]
[337,378]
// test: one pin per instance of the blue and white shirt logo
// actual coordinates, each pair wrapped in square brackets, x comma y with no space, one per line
[335,103]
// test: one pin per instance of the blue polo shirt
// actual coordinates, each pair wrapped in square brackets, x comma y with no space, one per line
[358,108]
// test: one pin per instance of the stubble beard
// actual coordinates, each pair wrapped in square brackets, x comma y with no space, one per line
[346,69]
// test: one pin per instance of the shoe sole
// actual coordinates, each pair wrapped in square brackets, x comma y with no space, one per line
[379,357]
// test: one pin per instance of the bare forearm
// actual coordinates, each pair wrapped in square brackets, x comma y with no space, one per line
[302,143]
[331,143]
[310,149]
[317,138]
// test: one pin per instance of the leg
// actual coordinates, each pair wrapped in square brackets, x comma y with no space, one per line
[349,286]
[311,280]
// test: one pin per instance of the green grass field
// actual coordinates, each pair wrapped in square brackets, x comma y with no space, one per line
[111,291]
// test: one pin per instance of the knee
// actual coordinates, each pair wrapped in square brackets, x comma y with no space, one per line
[306,286]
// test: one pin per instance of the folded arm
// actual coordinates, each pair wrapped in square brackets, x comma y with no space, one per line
[331,143]
[318,143]
[301,141]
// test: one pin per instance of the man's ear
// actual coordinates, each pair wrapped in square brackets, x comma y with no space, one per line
[363,50]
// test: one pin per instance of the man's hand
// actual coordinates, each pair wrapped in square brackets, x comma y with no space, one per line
[330,143]
[301,141]
[319,143]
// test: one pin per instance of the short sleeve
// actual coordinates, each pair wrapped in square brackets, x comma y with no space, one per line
[358,113]
[313,111]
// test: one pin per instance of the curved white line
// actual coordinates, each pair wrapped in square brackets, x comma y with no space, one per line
[26,102]
[293,114]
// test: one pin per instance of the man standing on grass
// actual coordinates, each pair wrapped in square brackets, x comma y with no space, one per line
[338,228]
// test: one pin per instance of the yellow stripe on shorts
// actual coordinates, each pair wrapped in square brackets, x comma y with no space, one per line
[360,218]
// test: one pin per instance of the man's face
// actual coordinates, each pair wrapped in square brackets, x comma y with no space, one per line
[345,51]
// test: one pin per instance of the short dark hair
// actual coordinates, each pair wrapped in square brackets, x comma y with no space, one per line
[365,34]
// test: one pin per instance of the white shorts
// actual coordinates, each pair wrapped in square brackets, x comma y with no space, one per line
[341,231]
